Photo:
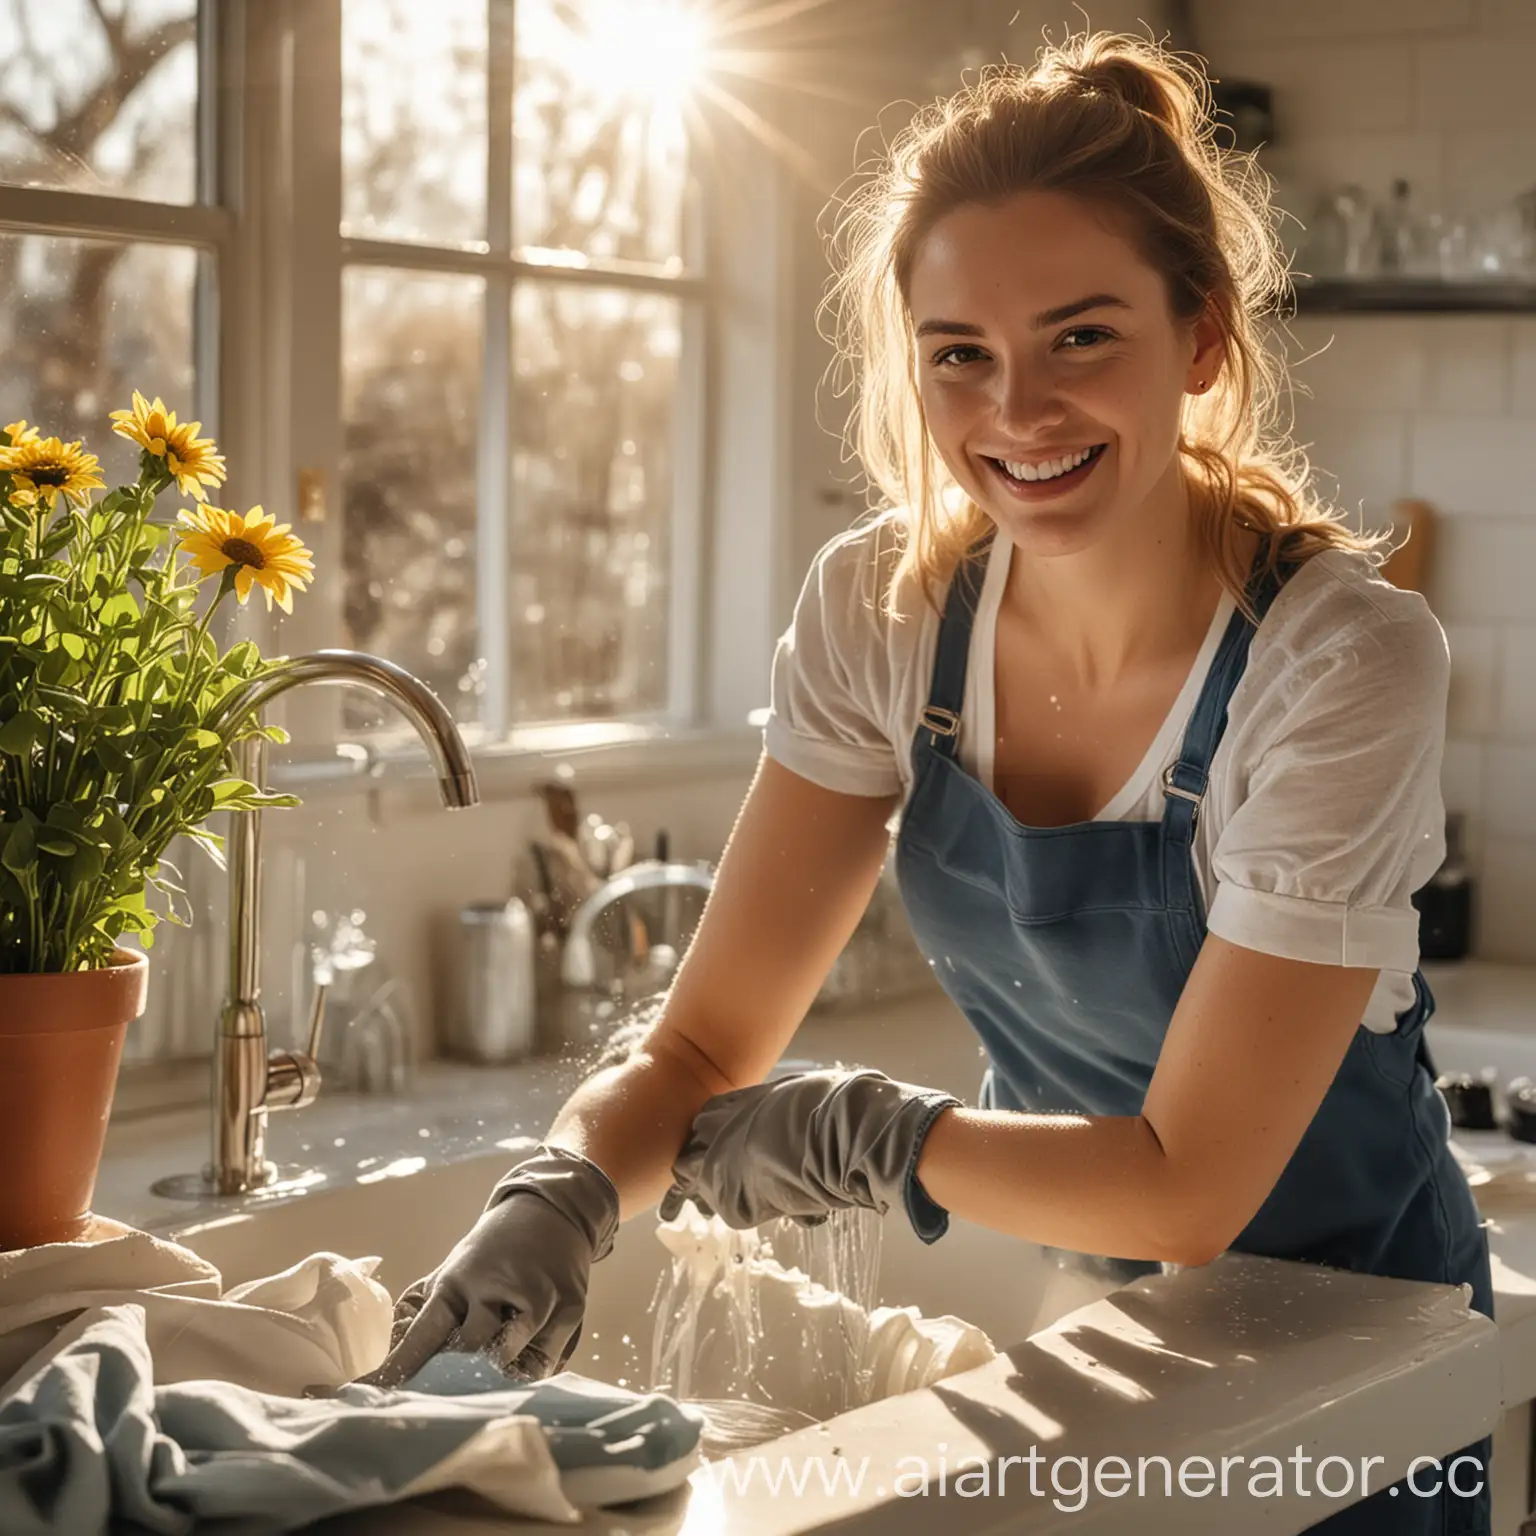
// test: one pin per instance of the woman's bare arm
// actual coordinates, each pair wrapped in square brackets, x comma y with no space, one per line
[1253,1046]
[793,882]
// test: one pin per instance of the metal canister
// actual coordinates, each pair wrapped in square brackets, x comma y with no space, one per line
[496,1010]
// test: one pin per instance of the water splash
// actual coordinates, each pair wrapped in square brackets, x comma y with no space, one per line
[776,1318]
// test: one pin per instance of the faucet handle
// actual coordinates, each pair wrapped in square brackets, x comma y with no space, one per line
[293,1077]
[316,1019]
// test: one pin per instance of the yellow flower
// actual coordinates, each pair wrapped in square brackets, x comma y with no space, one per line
[20,432]
[263,555]
[42,467]
[193,461]
[146,424]
[190,460]
[149,425]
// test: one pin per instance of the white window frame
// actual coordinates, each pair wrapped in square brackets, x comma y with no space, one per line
[728,534]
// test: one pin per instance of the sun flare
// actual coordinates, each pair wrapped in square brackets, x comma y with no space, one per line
[649,52]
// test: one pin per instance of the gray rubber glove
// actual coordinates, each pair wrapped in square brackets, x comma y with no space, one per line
[516,1284]
[807,1144]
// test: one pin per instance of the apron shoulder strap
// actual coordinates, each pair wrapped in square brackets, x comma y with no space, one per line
[1184,781]
[941,715]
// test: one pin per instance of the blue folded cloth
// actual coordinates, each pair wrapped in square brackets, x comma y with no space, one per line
[88,1444]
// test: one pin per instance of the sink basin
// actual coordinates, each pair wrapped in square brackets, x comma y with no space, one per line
[1006,1287]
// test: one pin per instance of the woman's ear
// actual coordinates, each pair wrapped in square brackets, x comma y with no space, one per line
[1209,354]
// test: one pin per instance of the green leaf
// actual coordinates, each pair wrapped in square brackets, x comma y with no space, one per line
[68,706]
[243,661]
[211,844]
[86,866]
[58,843]
[20,852]
[207,740]
[21,732]
[74,645]
[259,802]
[119,611]
[59,536]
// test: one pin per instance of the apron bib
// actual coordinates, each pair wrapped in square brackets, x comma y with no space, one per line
[1067,948]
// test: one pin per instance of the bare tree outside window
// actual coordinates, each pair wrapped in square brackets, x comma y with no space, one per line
[96,97]
[83,323]
[411,415]
[593,407]
[599,175]
[100,96]
[600,162]
[413,105]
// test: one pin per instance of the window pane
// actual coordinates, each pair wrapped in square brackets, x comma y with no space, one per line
[411,414]
[595,374]
[414,120]
[105,106]
[600,159]
[83,323]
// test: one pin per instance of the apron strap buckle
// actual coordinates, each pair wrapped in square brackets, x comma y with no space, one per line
[941,722]
[1193,796]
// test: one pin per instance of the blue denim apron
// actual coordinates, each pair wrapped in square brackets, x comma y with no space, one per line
[1067,949]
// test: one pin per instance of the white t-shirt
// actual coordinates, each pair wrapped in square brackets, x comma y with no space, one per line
[1323,811]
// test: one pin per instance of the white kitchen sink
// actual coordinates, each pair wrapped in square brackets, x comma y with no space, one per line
[1006,1287]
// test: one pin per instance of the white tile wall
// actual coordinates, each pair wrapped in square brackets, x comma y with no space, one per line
[1517,681]
[1474,703]
[1439,92]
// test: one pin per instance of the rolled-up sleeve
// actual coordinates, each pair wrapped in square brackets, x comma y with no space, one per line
[826,717]
[1342,819]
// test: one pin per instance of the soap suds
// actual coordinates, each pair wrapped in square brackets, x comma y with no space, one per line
[774,1328]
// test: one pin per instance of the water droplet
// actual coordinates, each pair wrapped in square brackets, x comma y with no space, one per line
[340,1141]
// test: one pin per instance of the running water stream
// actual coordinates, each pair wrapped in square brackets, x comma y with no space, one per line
[774,1328]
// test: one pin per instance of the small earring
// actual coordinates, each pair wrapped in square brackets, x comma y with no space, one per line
[1201,386]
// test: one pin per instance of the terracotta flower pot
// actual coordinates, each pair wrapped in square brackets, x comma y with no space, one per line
[61,1037]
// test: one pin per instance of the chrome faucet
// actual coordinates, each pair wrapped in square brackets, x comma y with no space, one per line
[248,1080]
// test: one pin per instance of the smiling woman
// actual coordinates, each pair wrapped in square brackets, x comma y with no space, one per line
[988,222]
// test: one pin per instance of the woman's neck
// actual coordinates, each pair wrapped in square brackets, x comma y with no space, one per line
[1131,600]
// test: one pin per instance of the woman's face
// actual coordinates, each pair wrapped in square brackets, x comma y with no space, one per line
[1050,367]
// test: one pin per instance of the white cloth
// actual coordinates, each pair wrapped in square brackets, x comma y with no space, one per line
[321,1323]
[134,1388]
[1324,809]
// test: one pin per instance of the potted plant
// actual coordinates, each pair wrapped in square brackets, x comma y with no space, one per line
[109,674]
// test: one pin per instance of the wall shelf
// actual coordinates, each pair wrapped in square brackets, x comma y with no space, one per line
[1417,296]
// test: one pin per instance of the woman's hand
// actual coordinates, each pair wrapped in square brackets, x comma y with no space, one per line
[807,1144]
[516,1283]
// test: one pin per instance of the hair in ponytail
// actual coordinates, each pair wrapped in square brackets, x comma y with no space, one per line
[1125,123]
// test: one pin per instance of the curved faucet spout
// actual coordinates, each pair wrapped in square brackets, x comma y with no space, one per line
[250,1082]
[411,696]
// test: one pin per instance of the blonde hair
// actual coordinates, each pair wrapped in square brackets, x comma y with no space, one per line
[1126,123]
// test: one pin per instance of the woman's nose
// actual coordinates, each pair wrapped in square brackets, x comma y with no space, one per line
[1027,403]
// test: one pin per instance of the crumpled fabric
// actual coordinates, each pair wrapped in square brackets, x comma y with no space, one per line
[321,1322]
[88,1444]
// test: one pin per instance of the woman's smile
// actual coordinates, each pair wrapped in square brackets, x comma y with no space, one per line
[1044,479]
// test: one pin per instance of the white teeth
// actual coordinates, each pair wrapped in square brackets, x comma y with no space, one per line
[1049,469]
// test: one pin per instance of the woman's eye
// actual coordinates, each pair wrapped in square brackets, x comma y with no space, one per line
[948,356]
[1081,337]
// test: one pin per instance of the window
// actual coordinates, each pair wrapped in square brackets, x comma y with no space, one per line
[521,337]
[110,239]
